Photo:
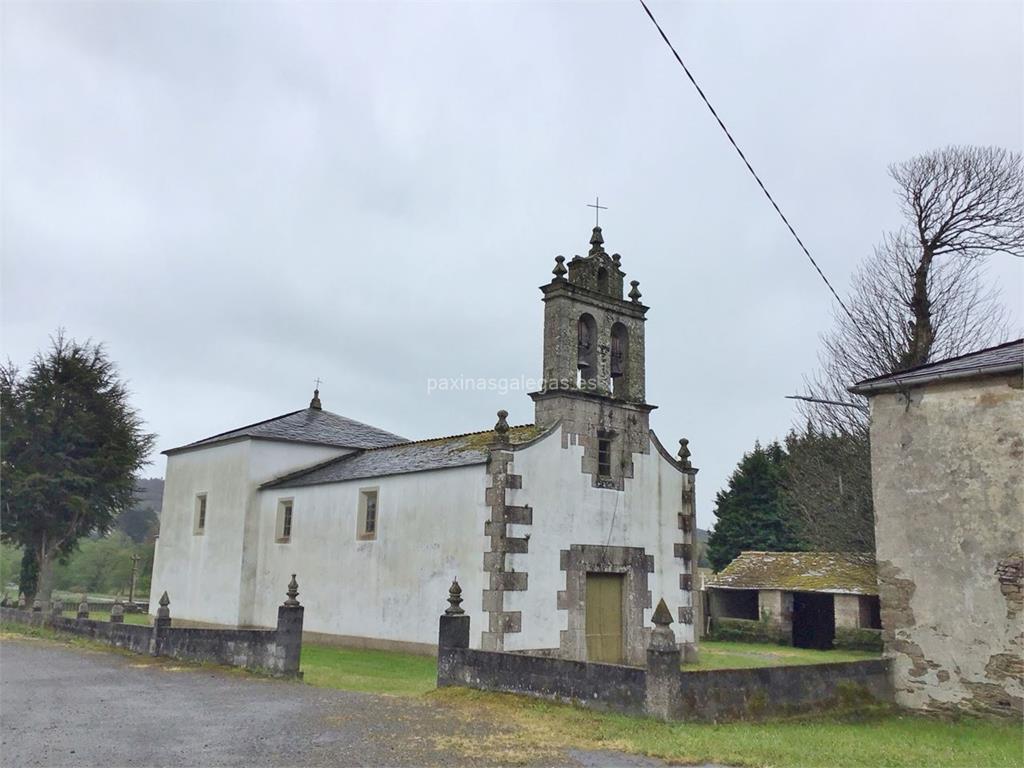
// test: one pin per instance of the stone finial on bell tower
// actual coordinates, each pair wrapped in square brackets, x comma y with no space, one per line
[593,335]
[594,377]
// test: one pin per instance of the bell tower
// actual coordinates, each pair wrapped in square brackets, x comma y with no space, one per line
[594,363]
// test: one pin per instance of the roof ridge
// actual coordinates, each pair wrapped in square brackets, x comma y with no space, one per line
[943,361]
[443,437]
[335,460]
[354,421]
[319,465]
[247,426]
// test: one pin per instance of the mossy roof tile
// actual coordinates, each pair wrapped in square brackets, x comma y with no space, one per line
[837,572]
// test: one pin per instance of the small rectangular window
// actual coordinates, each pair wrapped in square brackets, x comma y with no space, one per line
[200,519]
[284,520]
[367,514]
[604,457]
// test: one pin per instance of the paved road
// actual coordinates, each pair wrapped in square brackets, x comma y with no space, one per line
[62,706]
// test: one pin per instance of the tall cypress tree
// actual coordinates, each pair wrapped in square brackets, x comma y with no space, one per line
[750,511]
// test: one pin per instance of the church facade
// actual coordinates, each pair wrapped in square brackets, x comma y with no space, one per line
[563,533]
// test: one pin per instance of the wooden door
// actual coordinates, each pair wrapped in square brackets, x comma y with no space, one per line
[604,617]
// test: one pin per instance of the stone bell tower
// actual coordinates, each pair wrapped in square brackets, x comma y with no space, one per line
[594,364]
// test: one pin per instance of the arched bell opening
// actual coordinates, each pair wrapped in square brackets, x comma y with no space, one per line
[619,358]
[586,352]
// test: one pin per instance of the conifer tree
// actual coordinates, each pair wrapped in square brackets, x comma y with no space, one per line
[750,512]
[70,448]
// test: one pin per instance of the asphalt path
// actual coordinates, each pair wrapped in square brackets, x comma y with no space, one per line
[70,706]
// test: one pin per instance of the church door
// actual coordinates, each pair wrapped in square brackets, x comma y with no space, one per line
[604,617]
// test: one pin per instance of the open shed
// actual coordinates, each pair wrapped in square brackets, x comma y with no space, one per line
[806,599]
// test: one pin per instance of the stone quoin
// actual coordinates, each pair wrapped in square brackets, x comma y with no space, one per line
[559,531]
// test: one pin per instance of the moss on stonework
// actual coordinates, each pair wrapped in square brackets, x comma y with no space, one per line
[747,631]
[479,441]
[849,572]
[858,639]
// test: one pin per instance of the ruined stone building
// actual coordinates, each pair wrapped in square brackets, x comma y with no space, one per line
[947,462]
[807,599]
[563,533]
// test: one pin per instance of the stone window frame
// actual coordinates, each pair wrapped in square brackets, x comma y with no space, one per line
[200,513]
[364,495]
[604,456]
[285,513]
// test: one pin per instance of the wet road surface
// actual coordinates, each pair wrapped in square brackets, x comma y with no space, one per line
[68,706]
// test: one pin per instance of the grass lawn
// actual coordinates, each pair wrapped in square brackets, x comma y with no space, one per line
[531,729]
[399,674]
[873,739]
[730,655]
[129,618]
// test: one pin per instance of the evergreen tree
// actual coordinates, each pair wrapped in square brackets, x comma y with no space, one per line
[750,512]
[828,490]
[70,447]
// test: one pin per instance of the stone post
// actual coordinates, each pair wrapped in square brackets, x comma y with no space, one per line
[663,699]
[21,600]
[57,609]
[117,612]
[452,636]
[289,632]
[37,606]
[83,607]
[161,626]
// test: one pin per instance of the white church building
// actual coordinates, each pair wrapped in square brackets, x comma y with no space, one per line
[563,533]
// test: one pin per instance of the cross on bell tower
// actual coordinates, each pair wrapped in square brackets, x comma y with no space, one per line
[594,360]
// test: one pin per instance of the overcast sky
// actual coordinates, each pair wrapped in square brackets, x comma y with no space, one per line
[239,197]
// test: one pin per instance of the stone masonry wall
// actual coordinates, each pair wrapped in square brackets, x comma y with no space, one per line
[274,651]
[947,465]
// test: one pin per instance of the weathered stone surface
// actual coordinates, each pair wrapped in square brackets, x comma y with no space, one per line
[635,565]
[273,651]
[946,475]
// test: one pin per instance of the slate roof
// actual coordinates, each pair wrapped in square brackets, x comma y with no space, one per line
[310,425]
[838,572]
[438,453]
[1004,358]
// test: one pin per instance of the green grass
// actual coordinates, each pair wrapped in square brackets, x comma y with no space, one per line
[879,738]
[731,655]
[873,738]
[129,618]
[400,674]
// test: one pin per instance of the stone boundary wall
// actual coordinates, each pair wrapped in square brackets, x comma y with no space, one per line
[719,695]
[606,687]
[661,689]
[132,637]
[273,651]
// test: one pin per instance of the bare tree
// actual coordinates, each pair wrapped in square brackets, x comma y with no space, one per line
[921,296]
[960,201]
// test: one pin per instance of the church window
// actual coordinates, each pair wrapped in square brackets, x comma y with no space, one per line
[284,520]
[200,519]
[604,457]
[368,518]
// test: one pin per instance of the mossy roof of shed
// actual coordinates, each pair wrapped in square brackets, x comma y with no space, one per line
[416,456]
[837,572]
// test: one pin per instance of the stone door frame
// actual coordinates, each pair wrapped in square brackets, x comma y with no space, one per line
[635,565]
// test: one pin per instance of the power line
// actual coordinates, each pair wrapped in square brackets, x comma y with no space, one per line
[746,162]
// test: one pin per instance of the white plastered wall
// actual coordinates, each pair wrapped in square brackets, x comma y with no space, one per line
[568,510]
[429,529]
[208,577]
